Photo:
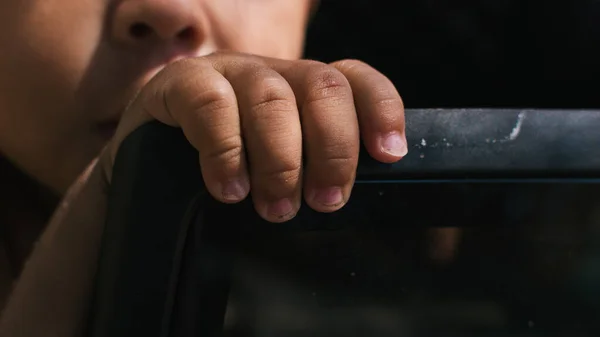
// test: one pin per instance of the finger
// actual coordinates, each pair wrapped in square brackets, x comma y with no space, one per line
[330,133]
[273,138]
[380,111]
[205,105]
[192,94]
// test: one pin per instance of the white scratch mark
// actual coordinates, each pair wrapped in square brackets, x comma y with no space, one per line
[517,129]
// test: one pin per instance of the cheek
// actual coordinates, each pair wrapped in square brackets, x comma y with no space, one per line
[47,46]
[285,38]
[274,28]
[51,44]
[59,36]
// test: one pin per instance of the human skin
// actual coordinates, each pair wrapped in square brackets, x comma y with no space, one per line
[72,70]
[68,68]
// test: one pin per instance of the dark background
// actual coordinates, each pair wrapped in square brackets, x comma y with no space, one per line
[470,53]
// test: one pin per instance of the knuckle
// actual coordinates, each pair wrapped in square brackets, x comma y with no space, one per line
[270,92]
[343,169]
[350,64]
[198,93]
[192,105]
[282,173]
[325,82]
[344,162]
[339,161]
[381,94]
[341,155]
[184,65]
[385,103]
[214,99]
[271,100]
[229,150]
[359,70]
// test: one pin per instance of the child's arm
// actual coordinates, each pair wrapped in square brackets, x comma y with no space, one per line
[52,295]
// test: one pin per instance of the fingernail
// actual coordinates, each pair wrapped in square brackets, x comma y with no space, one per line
[394,144]
[281,209]
[329,196]
[235,190]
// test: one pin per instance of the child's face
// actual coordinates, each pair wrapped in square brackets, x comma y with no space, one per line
[69,67]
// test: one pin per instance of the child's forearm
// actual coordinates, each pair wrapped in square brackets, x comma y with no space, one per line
[53,293]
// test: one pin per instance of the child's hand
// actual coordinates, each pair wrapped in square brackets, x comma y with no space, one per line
[256,120]
[282,128]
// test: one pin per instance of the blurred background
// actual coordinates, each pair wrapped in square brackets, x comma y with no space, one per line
[442,53]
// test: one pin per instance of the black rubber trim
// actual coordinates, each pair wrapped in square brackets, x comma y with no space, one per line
[148,283]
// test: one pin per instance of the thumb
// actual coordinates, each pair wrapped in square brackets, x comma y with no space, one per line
[53,293]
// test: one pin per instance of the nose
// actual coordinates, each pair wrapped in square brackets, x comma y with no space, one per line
[176,23]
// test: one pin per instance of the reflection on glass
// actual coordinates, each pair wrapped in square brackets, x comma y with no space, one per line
[429,260]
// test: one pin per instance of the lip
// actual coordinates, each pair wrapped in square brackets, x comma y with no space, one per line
[107,127]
